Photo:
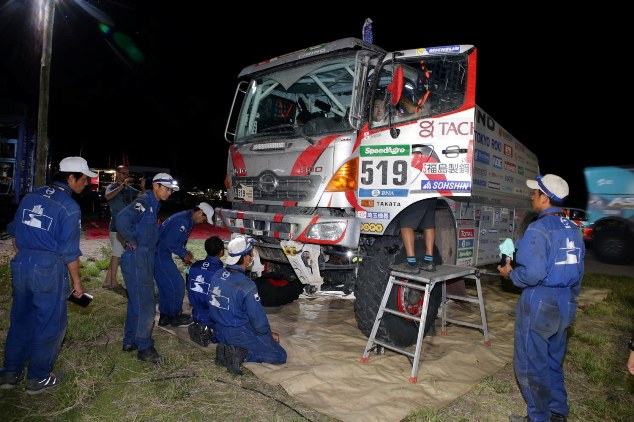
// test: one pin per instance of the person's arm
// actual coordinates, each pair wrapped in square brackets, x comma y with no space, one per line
[73,270]
[173,237]
[255,312]
[531,259]
[128,218]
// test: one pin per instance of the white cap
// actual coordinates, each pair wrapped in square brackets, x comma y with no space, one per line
[239,246]
[76,165]
[209,212]
[552,185]
[166,180]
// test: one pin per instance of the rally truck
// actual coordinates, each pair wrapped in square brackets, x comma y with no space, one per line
[610,212]
[319,177]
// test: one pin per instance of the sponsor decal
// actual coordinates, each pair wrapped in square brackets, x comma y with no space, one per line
[520,170]
[466,233]
[446,168]
[444,49]
[373,215]
[383,192]
[494,185]
[480,182]
[497,162]
[465,243]
[508,166]
[465,253]
[388,203]
[445,185]
[384,150]
[480,171]
[372,227]
[482,156]
[508,150]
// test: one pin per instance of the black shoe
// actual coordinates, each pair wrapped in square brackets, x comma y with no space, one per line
[428,266]
[164,319]
[10,380]
[221,354]
[149,355]
[404,267]
[35,386]
[199,333]
[234,358]
[557,417]
[181,319]
[129,347]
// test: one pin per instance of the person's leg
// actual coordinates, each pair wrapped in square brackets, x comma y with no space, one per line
[557,350]
[145,298]
[50,309]
[132,315]
[17,349]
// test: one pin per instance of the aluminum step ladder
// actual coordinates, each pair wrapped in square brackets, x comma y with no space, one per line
[426,281]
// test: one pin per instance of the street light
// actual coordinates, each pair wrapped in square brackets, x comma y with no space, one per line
[46,9]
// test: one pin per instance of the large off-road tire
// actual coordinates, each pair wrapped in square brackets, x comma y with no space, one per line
[374,272]
[613,245]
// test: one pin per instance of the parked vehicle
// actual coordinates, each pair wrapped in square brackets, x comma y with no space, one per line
[611,212]
[321,185]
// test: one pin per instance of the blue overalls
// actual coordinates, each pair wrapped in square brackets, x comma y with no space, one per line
[47,228]
[138,225]
[200,274]
[239,318]
[173,235]
[550,258]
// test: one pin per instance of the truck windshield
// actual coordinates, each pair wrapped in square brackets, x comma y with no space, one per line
[432,85]
[305,100]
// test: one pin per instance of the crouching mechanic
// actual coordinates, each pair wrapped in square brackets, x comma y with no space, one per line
[200,274]
[173,236]
[240,324]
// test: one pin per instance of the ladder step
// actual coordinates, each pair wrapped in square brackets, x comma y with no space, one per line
[401,314]
[394,348]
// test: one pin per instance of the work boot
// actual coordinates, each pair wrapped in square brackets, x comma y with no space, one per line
[221,354]
[404,267]
[180,319]
[557,417]
[10,380]
[129,347]
[199,333]
[35,386]
[237,355]
[149,355]
[428,266]
[164,319]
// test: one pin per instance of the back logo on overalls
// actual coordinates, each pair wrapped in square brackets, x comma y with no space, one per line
[36,218]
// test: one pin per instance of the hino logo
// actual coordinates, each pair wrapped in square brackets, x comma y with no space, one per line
[268,182]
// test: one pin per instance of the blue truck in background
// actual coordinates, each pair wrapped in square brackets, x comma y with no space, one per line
[610,212]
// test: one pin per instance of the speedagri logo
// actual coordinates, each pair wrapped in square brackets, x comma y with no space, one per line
[385,150]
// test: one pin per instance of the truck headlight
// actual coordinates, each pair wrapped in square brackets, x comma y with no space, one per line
[327,231]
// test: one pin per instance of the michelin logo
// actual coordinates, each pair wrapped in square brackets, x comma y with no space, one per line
[444,49]
[445,185]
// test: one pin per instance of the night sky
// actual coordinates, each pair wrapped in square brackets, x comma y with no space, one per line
[157,83]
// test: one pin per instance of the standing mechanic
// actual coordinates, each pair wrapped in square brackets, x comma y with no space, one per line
[173,236]
[549,269]
[119,195]
[138,225]
[239,322]
[198,280]
[46,230]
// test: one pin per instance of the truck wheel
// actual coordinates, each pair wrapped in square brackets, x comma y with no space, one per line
[613,245]
[372,281]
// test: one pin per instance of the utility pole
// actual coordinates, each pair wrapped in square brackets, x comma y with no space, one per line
[45,72]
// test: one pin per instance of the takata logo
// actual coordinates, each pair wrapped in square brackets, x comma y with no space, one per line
[444,49]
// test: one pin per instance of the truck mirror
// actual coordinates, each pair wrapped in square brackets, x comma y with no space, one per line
[396,87]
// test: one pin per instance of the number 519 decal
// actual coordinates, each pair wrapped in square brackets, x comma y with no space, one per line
[390,173]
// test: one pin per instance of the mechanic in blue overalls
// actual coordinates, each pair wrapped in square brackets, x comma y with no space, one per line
[46,230]
[138,225]
[198,278]
[549,269]
[240,324]
[173,236]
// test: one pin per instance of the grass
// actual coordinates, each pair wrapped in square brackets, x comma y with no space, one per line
[102,383]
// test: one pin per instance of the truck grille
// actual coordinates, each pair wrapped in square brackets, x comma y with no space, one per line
[270,187]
